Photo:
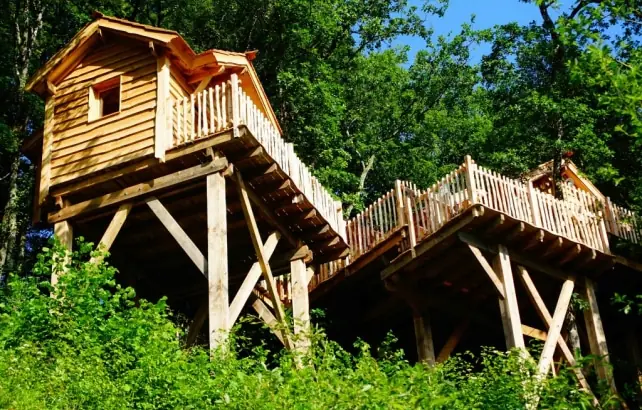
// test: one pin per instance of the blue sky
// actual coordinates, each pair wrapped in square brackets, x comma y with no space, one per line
[488,13]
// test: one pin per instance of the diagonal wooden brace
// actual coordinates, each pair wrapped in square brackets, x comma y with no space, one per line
[261,254]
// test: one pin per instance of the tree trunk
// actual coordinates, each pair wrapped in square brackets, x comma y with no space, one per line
[367,167]
[9,228]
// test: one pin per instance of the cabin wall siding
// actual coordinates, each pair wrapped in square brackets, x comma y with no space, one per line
[81,147]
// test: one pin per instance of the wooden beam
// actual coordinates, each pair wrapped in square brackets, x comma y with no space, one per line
[63,231]
[203,84]
[300,305]
[217,269]
[555,329]
[423,337]
[253,275]
[534,333]
[268,214]
[499,286]
[508,306]
[197,324]
[517,257]
[138,190]
[178,234]
[199,145]
[113,229]
[408,257]
[596,336]
[453,341]
[264,313]
[546,317]
[255,235]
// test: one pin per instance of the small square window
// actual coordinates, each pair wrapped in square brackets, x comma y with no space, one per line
[104,98]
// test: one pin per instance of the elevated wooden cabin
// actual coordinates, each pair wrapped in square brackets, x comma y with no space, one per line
[174,162]
[140,136]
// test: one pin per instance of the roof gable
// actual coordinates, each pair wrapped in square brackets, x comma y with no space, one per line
[44,81]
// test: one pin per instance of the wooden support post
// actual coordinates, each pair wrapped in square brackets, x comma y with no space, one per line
[423,337]
[596,336]
[532,199]
[555,328]
[113,229]
[234,79]
[399,203]
[300,305]
[217,274]
[412,236]
[508,306]
[470,179]
[64,232]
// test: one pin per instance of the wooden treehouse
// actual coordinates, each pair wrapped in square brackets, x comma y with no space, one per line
[174,162]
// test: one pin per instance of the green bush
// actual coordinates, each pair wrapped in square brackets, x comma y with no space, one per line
[89,345]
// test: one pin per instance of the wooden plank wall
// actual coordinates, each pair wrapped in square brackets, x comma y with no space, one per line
[81,147]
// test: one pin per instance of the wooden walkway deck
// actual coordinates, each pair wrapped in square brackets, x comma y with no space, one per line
[406,216]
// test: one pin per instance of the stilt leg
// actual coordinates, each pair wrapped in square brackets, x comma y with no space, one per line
[217,274]
[596,336]
[65,234]
[300,305]
[508,306]
[423,337]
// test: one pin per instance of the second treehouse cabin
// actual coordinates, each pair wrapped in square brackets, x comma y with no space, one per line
[174,162]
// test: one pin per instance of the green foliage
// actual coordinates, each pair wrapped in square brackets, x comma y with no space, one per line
[89,343]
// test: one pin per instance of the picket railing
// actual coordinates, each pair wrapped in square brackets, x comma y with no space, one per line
[623,222]
[579,217]
[226,106]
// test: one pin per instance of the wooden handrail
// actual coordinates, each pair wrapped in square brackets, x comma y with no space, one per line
[580,217]
[227,106]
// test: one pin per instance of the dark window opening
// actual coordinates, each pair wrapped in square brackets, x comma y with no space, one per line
[110,101]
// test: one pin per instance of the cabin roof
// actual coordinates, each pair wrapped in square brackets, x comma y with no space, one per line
[189,62]
[547,169]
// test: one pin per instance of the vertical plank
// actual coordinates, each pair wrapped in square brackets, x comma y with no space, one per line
[47,144]
[217,270]
[300,305]
[508,306]
[161,133]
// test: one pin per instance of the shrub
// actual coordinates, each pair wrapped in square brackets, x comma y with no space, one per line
[87,344]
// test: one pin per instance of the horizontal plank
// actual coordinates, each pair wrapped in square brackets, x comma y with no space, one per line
[78,173]
[69,145]
[100,154]
[125,66]
[90,153]
[106,124]
[107,58]
[80,116]
[144,65]
[137,75]
[139,190]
